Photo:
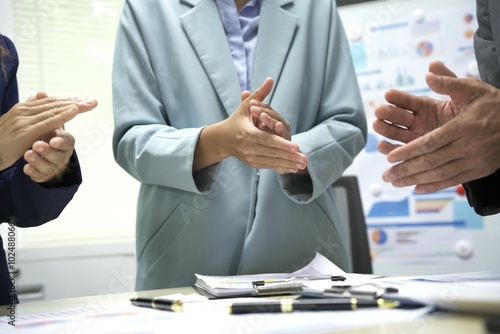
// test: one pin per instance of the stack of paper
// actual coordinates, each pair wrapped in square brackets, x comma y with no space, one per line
[476,292]
[318,271]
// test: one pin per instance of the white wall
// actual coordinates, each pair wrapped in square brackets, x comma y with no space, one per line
[66,48]
[6,26]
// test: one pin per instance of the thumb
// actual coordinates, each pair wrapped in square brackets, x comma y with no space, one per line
[245,94]
[439,68]
[263,91]
[464,89]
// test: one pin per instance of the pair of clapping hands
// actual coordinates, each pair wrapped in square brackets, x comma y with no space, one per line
[35,130]
[259,136]
[447,142]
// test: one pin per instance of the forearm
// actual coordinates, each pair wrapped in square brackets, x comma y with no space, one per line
[211,147]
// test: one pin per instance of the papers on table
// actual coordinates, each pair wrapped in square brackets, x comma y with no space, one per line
[201,316]
[476,292]
[318,272]
[467,292]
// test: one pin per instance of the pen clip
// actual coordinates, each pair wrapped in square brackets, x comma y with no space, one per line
[277,289]
[337,278]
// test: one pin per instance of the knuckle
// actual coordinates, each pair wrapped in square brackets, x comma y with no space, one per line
[429,143]
[431,161]
[442,173]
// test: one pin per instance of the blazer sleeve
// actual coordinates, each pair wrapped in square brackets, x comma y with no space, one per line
[31,204]
[144,140]
[340,132]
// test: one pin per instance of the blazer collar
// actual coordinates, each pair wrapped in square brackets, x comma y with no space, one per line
[204,29]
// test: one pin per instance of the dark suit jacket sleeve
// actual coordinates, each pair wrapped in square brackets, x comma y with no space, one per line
[32,204]
[29,203]
[484,195]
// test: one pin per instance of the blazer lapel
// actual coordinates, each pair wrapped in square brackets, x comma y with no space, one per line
[204,29]
[276,30]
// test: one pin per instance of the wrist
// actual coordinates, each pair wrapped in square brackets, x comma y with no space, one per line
[211,147]
[56,180]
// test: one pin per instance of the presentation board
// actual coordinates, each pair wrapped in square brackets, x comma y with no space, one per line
[392,43]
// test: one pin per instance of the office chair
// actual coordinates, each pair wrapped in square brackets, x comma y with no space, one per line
[348,201]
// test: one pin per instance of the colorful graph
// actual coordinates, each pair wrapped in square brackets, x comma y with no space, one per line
[425,48]
[432,205]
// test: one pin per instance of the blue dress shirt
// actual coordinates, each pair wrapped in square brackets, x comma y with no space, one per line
[241,31]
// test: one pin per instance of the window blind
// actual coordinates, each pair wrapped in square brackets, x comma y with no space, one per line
[66,49]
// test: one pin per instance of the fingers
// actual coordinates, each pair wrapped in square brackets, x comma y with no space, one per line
[47,161]
[49,120]
[50,116]
[41,169]
[41,95]
[62,141]
[392,131]
[261,149]
[385,147]
[270,120]
[275,126]
[442,177]
[414,171]
[439,68]
[38,96]
[431,187]
[56,106]
[86,105]
[406,101]
[268,123]
[280,165]
[395,115]
[466,89]
[280,160]
[429,143]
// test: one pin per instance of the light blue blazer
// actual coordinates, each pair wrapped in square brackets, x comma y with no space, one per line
[173,75]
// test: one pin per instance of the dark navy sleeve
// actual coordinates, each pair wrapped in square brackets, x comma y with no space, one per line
[28,202]
[9,94]
[31,204]
[25,203]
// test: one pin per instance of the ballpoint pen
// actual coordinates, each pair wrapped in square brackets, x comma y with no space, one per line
[159,304]
[298,279]
[290,305]
[277,288]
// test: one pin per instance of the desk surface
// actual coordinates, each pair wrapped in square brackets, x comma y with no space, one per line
[436,323]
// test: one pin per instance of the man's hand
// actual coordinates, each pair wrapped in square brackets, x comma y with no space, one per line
[448,142]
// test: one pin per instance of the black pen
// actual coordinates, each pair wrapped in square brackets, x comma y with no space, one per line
[337,278]
[159,304]
[290,305]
